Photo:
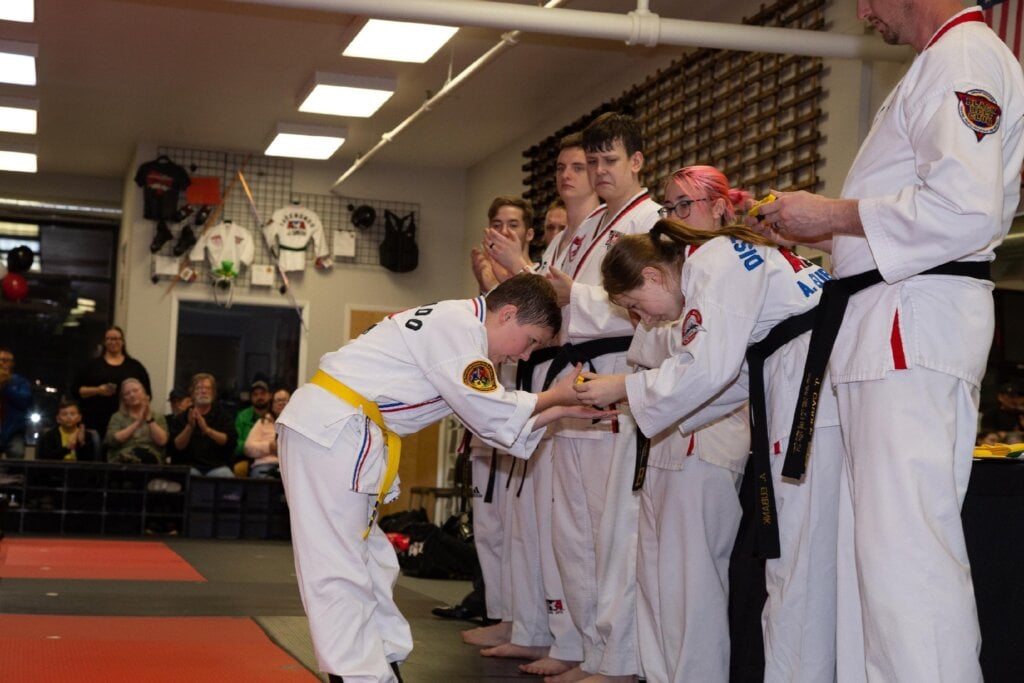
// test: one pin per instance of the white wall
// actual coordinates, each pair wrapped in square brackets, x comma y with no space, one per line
[145,310]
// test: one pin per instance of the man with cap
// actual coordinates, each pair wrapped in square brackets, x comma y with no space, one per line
[180,402]
[1005,417]
[259,404]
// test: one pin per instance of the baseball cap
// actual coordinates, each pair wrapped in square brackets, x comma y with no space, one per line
[177,395]
[1008,388]
[259,384]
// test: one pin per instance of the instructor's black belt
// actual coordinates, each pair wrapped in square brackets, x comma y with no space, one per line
[766,535]
[835,295]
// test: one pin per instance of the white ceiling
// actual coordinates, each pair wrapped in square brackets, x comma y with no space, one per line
[214,74]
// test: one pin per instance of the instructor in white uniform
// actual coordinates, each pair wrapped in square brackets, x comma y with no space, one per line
[934,186]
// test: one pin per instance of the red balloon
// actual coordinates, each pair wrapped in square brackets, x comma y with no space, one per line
[14,286]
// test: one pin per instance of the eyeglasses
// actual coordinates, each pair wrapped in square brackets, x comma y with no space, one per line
[113,339]
[680,209]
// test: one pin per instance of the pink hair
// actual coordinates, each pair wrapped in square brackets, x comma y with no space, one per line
[715,185]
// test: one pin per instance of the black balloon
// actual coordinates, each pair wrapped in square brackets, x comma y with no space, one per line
[19,259]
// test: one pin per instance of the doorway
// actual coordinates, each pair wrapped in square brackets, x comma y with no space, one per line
[237,345]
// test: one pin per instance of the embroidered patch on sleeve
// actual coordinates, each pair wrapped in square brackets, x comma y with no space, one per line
[691,325]
[979,112]
[480,375]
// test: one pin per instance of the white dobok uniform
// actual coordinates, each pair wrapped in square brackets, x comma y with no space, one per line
[595,511]
[289,232]
[937,180]
[540,616]
[689,516]
[735,293]
[417,366]
[224,242]
[491,524]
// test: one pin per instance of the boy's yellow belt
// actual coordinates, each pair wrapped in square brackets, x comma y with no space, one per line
[392,440]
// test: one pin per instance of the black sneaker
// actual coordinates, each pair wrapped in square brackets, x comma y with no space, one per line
[186,240]
[183,212]
[163,236]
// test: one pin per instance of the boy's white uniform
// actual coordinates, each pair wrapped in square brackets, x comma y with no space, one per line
[734,294]
[596,552]
[937,180]
[417,366]
[689,517]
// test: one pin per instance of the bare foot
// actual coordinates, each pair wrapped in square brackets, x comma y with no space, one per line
[515,651]
[571,676]
[602,678]
[547,666]
[489,636]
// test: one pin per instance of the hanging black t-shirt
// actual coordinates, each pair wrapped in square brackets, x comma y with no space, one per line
[161,181]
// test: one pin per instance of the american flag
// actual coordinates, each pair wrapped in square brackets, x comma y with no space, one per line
[1006,17]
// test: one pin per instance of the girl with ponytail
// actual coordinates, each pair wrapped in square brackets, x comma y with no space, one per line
[705,290]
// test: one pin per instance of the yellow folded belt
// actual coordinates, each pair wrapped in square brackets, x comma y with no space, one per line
[999,450]
[392,440]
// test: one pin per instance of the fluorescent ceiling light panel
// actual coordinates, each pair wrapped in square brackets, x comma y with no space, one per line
[17,158]
[19,229]
[17,63]
[17,10]
[18,115]
[398,41]
[343,95]
[305,142]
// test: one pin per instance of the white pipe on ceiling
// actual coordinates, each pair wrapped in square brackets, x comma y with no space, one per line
[636,27]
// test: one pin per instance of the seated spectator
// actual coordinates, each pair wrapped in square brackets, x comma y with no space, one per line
[69,440]
[180,402]
[261,444]
[259,407]
[987,438]
[203,437]
[15,397]
[134,434]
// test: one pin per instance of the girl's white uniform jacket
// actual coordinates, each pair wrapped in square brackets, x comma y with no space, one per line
[734,294]
[724,442]
[418,366]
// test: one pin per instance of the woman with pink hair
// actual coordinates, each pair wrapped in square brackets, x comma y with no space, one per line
[725,314]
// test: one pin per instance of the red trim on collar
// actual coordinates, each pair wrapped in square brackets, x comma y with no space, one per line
[974,15]
[600,236]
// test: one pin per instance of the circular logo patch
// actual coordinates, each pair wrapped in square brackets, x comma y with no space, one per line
[479,375]
[979,111]
[691,325]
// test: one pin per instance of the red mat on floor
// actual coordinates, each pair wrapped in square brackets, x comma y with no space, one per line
[142,650]
[58,558]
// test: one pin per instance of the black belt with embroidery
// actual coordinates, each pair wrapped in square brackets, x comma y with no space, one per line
[835,295]
[766,534]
